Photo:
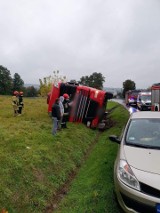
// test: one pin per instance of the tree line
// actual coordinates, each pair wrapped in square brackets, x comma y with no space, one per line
[9,84]
[94,80]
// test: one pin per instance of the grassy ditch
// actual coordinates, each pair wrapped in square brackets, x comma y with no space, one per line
[35,165]
[93,189]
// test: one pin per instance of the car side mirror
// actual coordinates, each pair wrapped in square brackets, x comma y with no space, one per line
[114,138]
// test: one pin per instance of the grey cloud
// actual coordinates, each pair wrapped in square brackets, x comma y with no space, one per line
[120,39]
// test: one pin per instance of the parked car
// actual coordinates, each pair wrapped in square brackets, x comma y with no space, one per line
[144,101]
[137,167]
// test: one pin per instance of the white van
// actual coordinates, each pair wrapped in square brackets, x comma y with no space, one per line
[144,101]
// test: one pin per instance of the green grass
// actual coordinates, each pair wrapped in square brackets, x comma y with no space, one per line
[34,164]
[93,189]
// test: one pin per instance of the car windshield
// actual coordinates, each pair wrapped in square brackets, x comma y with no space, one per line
[144,133]
[146,97]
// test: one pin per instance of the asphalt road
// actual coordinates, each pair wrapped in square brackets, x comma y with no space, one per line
[130,109]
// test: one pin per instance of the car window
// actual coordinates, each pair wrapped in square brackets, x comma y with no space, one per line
[145,132]
[146,97]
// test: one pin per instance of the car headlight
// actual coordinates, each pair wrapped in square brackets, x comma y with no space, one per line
[127,176]
[143,103]
[131,100]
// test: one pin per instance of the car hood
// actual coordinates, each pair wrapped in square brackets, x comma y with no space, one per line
[146,102]
[146,160]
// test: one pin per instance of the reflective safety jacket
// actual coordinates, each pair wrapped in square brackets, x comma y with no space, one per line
[14,100]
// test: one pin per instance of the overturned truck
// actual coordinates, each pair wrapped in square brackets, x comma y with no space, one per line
[88,104]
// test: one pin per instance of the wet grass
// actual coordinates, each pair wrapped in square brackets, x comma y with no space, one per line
[34,164]
[93,189]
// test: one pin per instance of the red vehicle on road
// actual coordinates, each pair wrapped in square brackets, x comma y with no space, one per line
[88,104]
[155,97]
[131,97]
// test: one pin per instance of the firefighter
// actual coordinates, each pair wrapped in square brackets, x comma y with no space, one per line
[66,110]
[20,103]
[15,102]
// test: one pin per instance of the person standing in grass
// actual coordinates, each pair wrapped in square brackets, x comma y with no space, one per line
[56,116]
[15,103]
[61,99]
[66,104]
[20,104]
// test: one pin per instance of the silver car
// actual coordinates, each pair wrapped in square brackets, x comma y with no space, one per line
[137,166]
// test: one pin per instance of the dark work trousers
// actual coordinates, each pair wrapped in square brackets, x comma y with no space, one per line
[64,120]
[20,109]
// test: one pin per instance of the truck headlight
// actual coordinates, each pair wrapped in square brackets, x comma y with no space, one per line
[127,176]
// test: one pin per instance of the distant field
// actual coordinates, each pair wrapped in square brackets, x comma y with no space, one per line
[34,164]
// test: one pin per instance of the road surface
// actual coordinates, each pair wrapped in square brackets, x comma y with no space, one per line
[121,101]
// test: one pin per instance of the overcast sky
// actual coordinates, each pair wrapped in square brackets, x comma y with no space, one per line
[118,38]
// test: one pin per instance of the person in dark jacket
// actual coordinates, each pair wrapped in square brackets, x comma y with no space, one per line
[56,116]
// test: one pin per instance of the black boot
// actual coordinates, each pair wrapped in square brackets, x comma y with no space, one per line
[63,125]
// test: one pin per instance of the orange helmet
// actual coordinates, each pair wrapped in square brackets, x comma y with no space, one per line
[66,96]
[21,93]
[15,93]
